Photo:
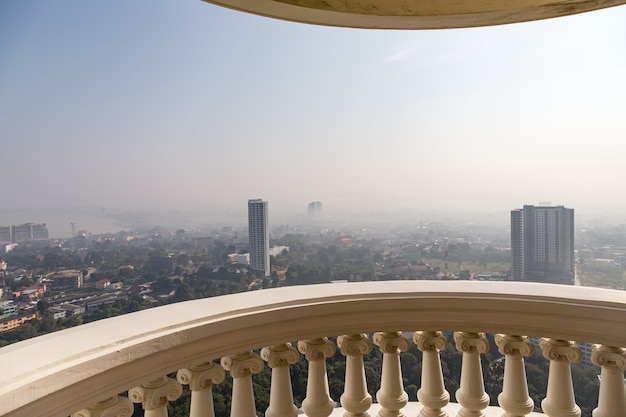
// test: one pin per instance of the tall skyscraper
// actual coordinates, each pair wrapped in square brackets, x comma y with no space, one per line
[542,244]
[258,229]
[315,209]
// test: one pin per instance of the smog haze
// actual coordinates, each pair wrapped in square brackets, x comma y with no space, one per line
[191,109]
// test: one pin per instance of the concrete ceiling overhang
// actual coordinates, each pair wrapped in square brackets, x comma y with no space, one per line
[414,14]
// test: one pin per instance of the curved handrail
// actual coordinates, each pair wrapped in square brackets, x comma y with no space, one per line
[61,372]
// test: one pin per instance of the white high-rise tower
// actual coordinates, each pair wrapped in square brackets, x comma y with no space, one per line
[258,229]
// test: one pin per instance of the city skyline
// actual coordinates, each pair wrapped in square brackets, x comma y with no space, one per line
[64,223]
[187,96]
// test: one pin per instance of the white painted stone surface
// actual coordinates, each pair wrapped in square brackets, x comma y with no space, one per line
[59,373]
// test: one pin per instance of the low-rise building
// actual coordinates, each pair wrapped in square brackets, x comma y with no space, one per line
[13,322]
[7,308]
[33,292]
[161,262]
[64,280]
[278,250]
[7,247]
[57,313]
[603,264]
[72,309]
[201,242]
[114,286]
[239,258]
[99,301]
[28,295]
[103,283]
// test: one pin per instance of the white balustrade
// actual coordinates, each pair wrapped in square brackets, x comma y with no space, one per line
[432,394]
[200,379]
[355,399]
[471,395]
[559,401]
[514,398]
[391,395]
[84,368]
[155,395]
[612,398]
[279,358]
[317,402]
[241,367]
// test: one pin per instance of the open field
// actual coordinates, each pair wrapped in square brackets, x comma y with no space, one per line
[472,267]
[615,279]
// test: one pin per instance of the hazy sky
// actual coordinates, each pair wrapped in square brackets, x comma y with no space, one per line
[182,104]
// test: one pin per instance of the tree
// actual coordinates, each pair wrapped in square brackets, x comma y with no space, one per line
[24,282]
[126,273]
[133,306]
[183,293]
[162,285]
[42,306]
[53,261]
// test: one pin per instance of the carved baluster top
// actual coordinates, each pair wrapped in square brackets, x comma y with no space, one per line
[280,355]
[470,342]
[317,349]
[560,350]
[201,376]
[514,345]
[429,340]
[242,364]
[156,393]
[356,344]
[391,342]
[609,357]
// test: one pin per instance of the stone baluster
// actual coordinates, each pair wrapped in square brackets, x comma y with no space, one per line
[432,395]
[612,398]
[241,367]
[559,401]
[471,395]
[317,402]
[279,358]
[116,406]
[391,395]
[200,379]
[155,395]
[514,398]
[355,399]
